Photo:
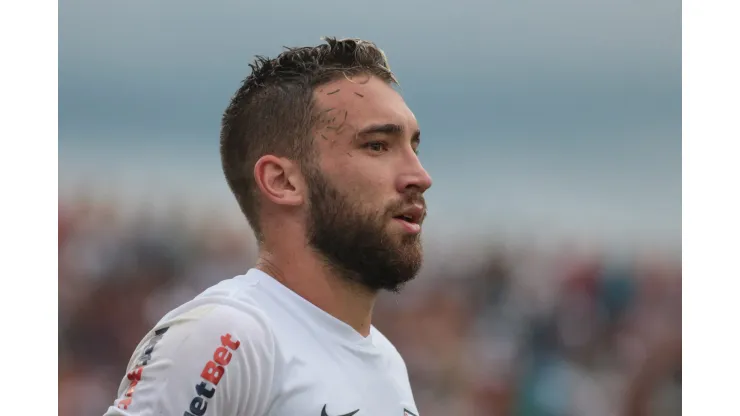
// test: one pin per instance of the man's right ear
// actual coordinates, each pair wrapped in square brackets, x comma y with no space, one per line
[280,180]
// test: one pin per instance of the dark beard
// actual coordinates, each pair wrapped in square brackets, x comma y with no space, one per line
[356,244]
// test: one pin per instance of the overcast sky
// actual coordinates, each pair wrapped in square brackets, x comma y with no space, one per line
[557,114]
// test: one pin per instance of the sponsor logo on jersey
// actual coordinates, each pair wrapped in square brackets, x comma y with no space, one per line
[211,376]
[323,412]
[134,376]
[406,412]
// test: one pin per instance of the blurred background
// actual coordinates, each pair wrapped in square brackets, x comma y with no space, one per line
[552,131]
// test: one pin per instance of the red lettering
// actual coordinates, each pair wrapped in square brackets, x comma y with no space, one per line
[226,341]
[212,373]
[222,356]
[123,404]
[130,391]
[135,375]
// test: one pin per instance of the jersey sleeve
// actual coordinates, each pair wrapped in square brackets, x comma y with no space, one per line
[210,361]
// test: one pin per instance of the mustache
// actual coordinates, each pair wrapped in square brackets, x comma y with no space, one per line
[413,199]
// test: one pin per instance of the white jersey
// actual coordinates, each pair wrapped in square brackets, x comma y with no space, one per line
[250,346]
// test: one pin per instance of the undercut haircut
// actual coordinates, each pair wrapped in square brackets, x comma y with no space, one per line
[273,111]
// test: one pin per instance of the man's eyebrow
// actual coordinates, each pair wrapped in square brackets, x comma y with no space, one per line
[388,128]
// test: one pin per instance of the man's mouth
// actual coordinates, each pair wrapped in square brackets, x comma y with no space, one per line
[407,218]
[412,217]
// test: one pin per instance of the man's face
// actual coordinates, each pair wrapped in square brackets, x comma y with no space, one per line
[366,186]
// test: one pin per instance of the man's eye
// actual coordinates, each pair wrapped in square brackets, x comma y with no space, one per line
[377,146]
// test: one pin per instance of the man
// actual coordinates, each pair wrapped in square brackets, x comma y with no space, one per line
[321,154]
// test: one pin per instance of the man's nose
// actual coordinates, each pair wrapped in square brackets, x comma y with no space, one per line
[414,176]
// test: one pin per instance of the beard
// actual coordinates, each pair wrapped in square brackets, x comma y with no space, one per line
[356,243]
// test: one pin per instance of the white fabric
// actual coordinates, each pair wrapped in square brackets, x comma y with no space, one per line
[249,346]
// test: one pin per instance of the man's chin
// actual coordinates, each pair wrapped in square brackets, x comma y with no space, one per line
[397,286]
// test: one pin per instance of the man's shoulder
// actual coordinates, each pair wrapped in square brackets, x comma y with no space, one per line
[232,303]
[218,341]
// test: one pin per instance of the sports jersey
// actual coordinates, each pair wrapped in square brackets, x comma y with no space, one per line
[249,346]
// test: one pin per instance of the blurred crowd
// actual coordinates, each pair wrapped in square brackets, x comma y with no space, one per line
[518,332]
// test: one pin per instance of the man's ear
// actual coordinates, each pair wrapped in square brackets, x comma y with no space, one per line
[280,180]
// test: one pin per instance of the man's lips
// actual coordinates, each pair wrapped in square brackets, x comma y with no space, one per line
[411,218]
[413,213]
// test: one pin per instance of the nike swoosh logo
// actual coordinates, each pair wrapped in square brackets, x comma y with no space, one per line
[323,412]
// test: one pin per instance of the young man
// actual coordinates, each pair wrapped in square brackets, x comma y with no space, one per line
[321,154]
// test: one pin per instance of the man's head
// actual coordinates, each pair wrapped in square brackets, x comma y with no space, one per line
[318,139]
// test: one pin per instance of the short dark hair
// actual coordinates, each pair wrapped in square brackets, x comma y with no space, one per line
[273,111]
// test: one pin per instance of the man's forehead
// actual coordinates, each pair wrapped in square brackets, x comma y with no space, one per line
[365,100]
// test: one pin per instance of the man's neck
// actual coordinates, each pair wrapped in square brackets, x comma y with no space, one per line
[304,272]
